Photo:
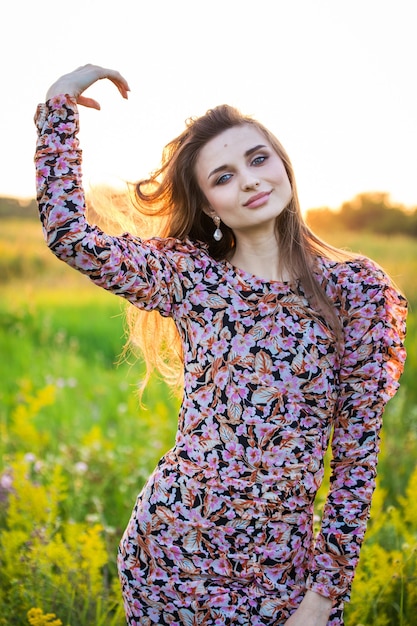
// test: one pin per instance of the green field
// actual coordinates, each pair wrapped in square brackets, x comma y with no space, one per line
[76,446]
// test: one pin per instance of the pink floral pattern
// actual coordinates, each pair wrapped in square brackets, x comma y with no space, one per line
[222,531]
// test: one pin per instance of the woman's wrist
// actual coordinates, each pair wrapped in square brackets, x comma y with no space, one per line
[59,88]
[318,602]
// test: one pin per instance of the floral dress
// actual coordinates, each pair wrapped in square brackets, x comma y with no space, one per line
[222,531]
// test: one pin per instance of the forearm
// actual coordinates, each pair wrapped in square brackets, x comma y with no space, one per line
[346,511]
[58,169]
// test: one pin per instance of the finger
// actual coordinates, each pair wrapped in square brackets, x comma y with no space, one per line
[119,81]
[88,102]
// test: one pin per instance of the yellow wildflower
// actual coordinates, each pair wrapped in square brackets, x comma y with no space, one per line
[37,617]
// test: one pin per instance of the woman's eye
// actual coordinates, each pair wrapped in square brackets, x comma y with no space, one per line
[259,160]
[223,179]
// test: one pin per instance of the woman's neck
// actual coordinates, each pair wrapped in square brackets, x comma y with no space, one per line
[260,258]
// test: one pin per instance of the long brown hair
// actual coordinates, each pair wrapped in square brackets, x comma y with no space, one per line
[173,195]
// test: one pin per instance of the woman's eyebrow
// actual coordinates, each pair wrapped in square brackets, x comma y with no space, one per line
[252,150]
[226,167]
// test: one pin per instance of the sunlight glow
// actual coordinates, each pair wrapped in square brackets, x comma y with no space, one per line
[334,81]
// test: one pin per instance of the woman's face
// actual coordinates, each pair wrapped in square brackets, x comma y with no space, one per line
[244,180]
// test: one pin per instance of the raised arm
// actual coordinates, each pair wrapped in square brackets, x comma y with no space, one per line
[143,272]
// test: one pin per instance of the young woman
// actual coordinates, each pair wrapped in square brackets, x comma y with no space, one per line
[284,341]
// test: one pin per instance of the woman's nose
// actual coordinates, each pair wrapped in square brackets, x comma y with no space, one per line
[250,182]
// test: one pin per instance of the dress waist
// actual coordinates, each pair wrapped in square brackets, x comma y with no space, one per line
[274,486]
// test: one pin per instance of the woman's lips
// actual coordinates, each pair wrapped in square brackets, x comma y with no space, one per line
[258,200]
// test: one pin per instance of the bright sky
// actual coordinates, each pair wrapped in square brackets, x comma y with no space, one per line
[334,80]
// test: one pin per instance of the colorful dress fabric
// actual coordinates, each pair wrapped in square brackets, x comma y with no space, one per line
[222,532]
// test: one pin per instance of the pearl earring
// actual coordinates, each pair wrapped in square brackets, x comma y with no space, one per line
[217,235]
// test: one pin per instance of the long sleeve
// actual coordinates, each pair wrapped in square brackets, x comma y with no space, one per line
[373,314]
[144,272]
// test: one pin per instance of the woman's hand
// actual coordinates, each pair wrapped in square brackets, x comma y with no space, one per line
[76,82]
[314,610]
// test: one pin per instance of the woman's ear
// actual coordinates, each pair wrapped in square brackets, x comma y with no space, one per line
[209,211]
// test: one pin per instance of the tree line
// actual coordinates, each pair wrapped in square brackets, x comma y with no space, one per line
[372,211]
[17,208]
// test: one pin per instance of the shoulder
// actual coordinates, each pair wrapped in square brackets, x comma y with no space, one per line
[356,283]
[356,273]
[358,270]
